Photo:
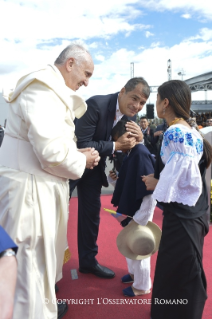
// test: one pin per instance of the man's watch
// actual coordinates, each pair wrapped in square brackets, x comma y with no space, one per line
[8,253]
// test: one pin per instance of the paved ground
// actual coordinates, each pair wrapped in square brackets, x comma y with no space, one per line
[105,190]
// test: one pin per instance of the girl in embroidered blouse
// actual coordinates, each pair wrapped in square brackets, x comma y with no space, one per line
[179,288]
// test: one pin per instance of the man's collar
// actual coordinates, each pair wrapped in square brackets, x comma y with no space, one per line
[57,71]
[144,130]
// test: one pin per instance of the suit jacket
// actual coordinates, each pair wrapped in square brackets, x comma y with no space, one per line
[161,127]
[5,241]
[148,139]
[93,129]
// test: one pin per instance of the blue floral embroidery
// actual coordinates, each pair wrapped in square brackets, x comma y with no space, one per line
[199,146]
[177,136]
[189,139]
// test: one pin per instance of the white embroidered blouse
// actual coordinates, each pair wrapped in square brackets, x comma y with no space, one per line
[180,180]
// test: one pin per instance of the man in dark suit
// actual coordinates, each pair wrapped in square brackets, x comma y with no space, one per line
[158,134]
[93,129]
[148,134]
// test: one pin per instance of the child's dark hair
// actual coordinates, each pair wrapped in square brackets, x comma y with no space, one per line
[118,130]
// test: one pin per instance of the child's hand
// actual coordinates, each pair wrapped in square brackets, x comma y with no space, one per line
[113,175]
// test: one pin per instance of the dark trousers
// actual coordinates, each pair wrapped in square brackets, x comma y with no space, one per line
[89,192]
[179,274]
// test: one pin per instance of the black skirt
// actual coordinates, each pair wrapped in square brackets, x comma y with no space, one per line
[179,288]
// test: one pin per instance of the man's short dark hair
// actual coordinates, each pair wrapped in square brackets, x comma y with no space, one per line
[131,84]
[118,130]
[143,118]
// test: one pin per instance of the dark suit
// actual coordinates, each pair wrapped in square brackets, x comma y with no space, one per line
[149,140]
[93,129]
[158,139]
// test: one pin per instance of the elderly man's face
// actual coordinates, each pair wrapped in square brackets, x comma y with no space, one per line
[132,102]
[209,122]
[80,73]
[144,123]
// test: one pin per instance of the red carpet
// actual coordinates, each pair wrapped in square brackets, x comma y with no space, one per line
[92,297]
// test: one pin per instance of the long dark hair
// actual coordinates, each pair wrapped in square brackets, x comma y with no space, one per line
[179,95]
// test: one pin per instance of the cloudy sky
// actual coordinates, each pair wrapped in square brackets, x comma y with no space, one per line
[117,32]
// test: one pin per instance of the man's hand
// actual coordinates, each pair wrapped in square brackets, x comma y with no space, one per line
[150,182]
[113,175]
[92,157]
[158,133]
[8,274]
[125,142]
[135,130]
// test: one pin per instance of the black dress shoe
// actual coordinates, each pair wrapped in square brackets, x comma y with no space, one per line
[99,271]
[62,308]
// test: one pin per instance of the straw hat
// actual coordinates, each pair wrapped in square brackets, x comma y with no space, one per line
[139,242]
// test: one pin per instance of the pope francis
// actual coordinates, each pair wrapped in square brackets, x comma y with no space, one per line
[37,157]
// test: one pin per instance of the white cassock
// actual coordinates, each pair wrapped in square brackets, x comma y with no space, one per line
[37,156]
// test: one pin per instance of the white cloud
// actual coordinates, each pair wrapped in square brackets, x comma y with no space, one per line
[99,57]
[111,74]
[55,19]
[151,63]
[201,8]
[205,34]
[93,45]
[141,47]
[155,44]
[148,34]
[34,32]
[186,16]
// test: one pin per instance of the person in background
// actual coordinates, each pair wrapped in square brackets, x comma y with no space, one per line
[160,129]
[209,122]
[148,134]
[194,117]
[181,189]
[158,135]
[152,125]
